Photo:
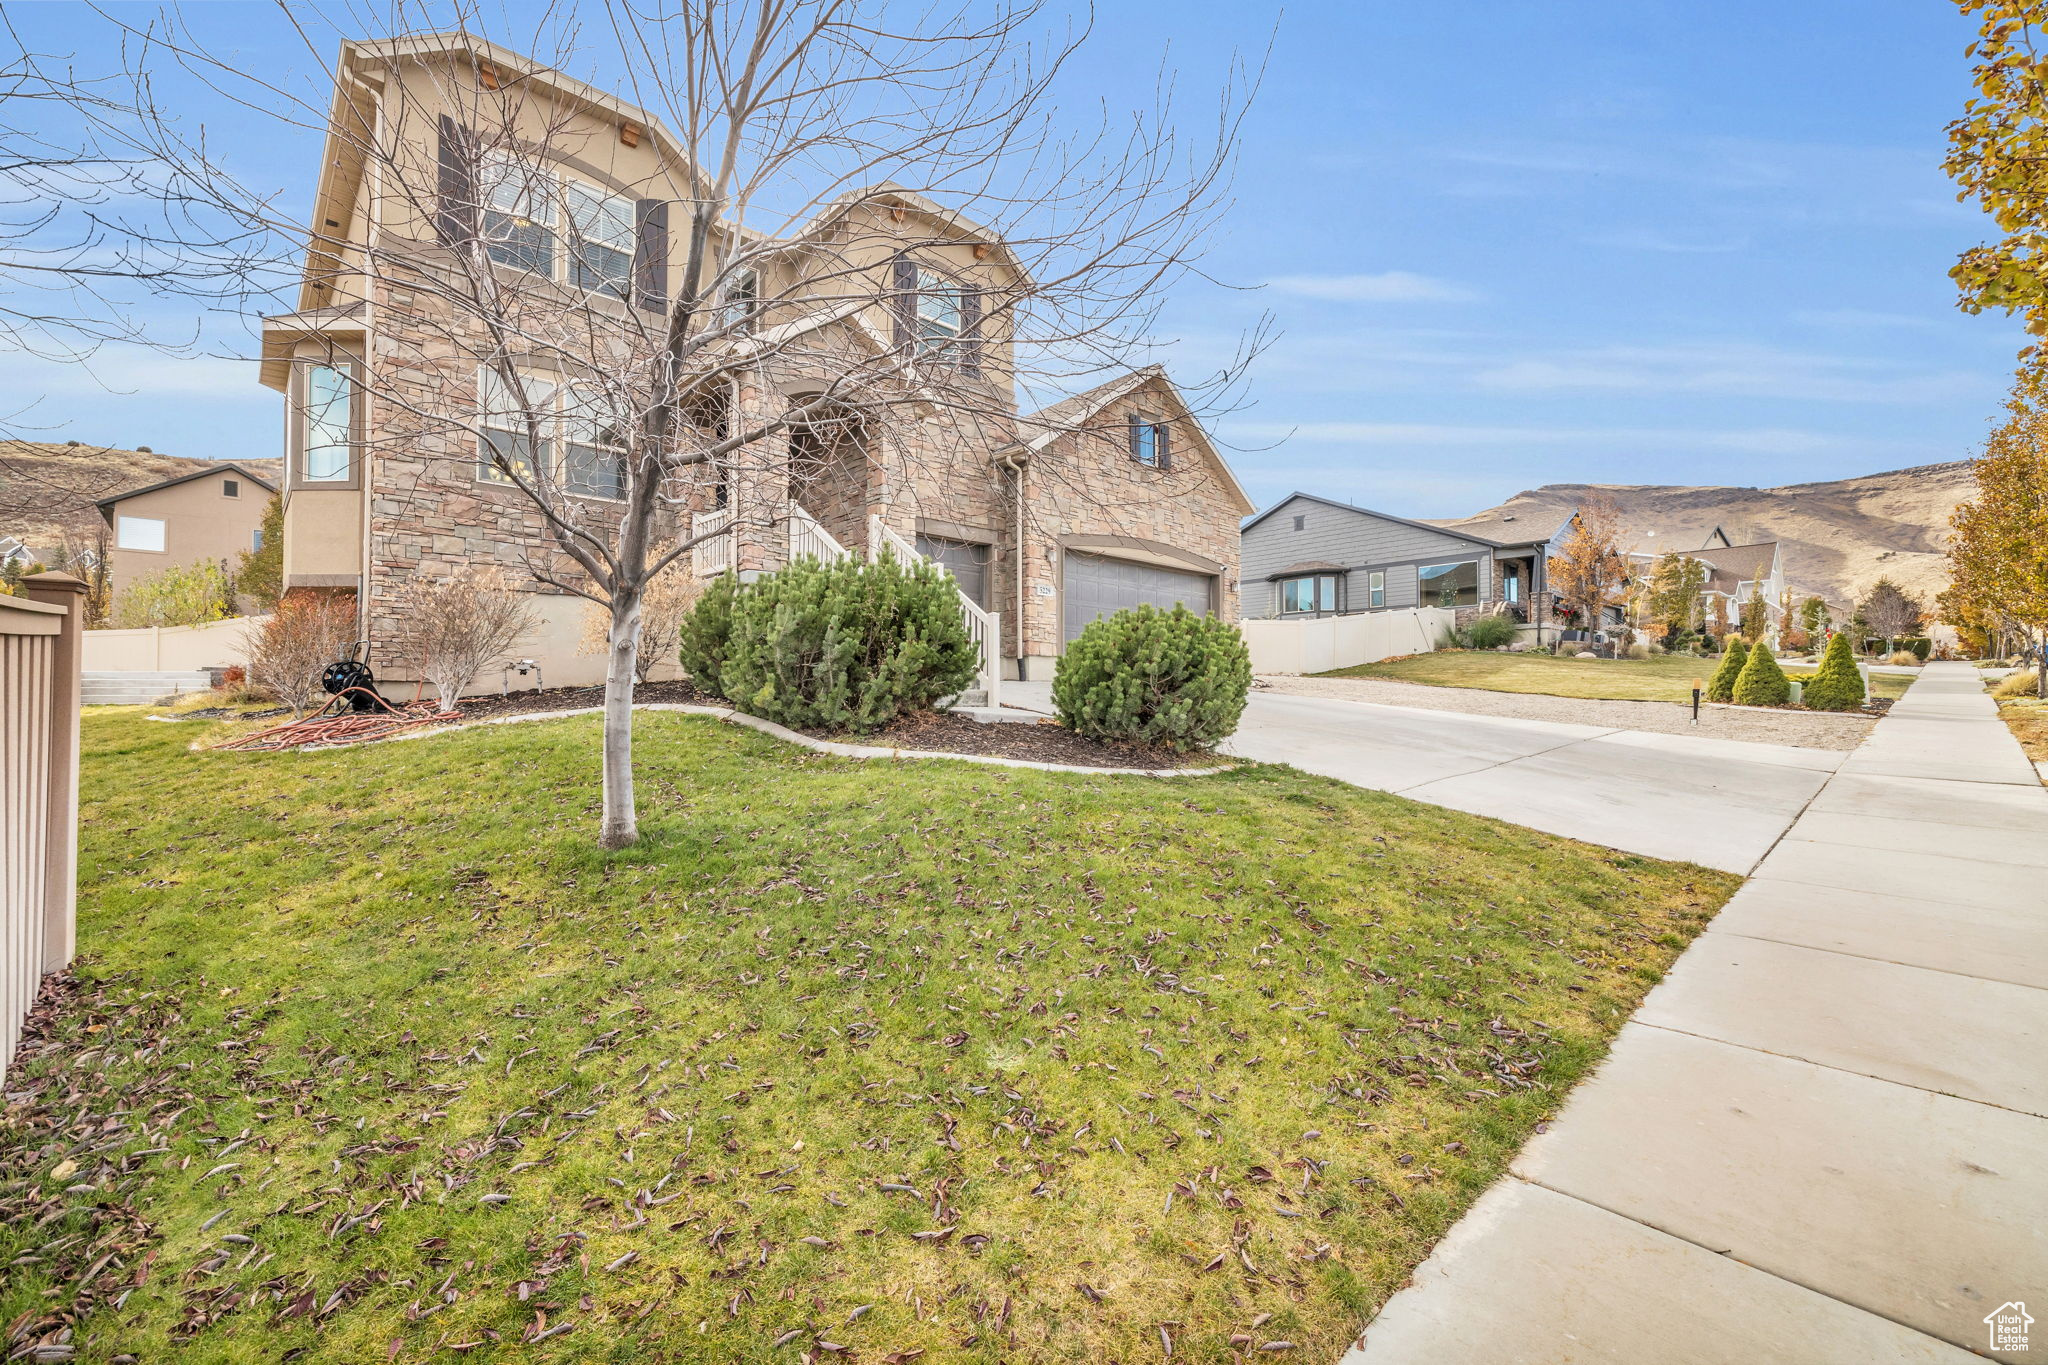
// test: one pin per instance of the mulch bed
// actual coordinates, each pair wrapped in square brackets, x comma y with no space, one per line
[539,702]
[1043,742]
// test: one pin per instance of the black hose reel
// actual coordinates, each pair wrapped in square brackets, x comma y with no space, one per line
[351,679]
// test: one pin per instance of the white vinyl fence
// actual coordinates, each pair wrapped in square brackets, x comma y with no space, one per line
[39,658]
[1323,643]
[172,649]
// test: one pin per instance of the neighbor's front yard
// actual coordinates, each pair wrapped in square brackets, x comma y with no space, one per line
[374,1056]
[1665,677]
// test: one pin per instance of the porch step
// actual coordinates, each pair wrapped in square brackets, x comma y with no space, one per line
[138,688]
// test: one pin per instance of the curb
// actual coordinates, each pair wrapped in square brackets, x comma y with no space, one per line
[769,727]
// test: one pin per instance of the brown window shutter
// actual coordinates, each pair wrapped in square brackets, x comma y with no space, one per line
[455,216]
[970,331]
[650,256]
[903,300]
[1162,437]
[1131,435]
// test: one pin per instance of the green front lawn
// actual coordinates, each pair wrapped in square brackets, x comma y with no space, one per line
[1666,677]
[375,1057]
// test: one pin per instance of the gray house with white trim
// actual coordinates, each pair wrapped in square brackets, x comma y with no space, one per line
[1311,556]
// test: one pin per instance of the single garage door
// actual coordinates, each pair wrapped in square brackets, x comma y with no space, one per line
[1097,585]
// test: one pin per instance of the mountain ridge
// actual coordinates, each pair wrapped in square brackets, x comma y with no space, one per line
[1838,536]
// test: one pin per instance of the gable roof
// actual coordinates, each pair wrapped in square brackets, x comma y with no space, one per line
[1068,415]
[219,467]
[1457,533]
[888,194]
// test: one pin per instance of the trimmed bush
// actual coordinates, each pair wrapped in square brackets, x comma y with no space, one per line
[1835,685]
[706,634]
[1762,682]
[1721,687]
[1155,677]
[846,646]
[1921,646]
[1490,632]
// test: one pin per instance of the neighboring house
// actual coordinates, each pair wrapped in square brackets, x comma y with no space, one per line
[1107,499]
[1734,574]
[214,513]
[1310,556]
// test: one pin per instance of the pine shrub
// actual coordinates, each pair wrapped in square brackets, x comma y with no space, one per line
[707,633]
[1762,682]
[846,646]
[1835,685]
[1173,678]
[1721,687]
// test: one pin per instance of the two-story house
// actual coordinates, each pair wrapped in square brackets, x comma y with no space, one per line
[397,441]
[210,514]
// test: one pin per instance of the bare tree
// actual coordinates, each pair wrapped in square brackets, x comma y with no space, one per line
[809,154]
[452,629]
[298,641]
[667,601]
[1889,611]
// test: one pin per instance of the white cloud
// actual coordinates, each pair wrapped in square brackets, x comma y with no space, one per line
[1737,368]
[1391,286]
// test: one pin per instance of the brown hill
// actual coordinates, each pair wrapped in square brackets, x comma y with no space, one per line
[1838,537]
[47,489]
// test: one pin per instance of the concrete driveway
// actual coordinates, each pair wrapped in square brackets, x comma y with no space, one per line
[1721,803]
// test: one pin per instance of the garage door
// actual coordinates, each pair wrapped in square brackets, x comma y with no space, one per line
[1097,585]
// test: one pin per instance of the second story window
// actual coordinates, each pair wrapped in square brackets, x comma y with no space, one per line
[518,214]
[326,434]
[742,298]
[939,313]
[1150,445]
[602,251]
[230,488]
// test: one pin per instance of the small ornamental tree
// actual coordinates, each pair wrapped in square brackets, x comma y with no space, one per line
[451,629]
[1173,678]
[182,595]
[847,645]
[1721,687]
[1836,685]
[1762,682]
[306,633]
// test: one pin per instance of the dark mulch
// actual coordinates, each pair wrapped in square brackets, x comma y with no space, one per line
[227,713]
[578,698]
[1043,742]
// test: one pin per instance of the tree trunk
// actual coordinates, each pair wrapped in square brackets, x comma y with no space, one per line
[621,825]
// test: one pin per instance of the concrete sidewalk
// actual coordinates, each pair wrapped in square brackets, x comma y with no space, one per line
[1822,1138]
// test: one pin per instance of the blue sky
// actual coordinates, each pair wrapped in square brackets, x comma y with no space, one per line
[1631,241]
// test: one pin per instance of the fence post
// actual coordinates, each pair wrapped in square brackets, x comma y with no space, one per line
[60,891]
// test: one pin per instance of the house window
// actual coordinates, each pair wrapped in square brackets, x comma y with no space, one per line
[519,214]
[742,297]
[510,427]
[938,313]
[1511,583]
[1301,523]
[597,448]
[229,488]
[1448,585]
[256,540]
[1149,444]
[601,258]
[1317,593]
[327,425]
[139,533]
[1376,588]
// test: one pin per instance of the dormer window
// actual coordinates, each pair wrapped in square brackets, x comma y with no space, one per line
[937,318]
[742,298]
[1151,445]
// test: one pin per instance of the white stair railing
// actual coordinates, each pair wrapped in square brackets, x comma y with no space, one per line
[807,536]
[712,557]
[984,628]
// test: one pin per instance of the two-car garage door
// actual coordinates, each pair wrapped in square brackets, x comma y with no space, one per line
[1096,585]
